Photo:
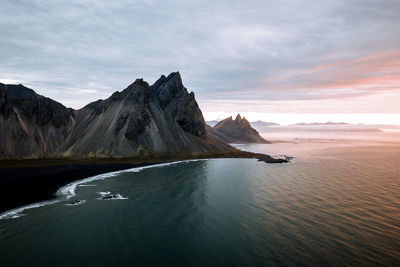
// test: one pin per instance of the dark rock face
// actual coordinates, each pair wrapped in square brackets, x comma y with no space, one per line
[236,131]
[31,125]
[41,109]
[137,125]
[142,120]
[173,98]
[5,105]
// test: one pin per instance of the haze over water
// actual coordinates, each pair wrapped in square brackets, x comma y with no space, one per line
[337,203]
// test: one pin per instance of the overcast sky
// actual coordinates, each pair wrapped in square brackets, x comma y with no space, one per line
[261,58]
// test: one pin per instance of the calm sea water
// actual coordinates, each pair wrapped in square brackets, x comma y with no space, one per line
[338,203]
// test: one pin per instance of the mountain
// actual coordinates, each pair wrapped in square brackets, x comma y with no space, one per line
[262,126]
[259,123]
[212,123]
[331,127]
[236,131]
[31,125]
[142,120]
[320,123]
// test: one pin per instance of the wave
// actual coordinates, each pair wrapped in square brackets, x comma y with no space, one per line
[68,191]
[76,203]
[16,213]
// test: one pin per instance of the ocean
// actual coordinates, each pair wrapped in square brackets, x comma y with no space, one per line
[337,203]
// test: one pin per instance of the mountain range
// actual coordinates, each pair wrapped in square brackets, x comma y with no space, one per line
[266,127]
[163,119]
[45,145]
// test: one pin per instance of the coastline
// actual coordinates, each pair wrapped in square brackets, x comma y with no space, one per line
[24,182]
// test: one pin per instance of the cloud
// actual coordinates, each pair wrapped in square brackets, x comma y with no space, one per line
[338,79]
[78,51]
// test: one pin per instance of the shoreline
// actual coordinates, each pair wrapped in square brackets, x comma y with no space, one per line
[67,191]
[25,182]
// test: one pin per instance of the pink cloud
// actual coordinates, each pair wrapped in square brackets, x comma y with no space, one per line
[339,79]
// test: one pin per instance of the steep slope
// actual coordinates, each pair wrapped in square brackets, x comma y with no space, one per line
[31,125]
[142,120]
[236,131]
[163,119]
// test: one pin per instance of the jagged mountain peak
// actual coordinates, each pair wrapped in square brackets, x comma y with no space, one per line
[160,119]
[238,117]
[17,91]
[30,105]
[139,83]
[175,75]
[165,90]
[160,80]
[174,99]
[241,119]
[168,87]
[138,91]
[237,131]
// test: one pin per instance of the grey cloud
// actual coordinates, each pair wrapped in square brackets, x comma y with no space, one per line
[65,48]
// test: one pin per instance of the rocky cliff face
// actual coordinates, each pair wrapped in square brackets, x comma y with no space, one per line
[142,120]
[238,130]
[175,101]
[31,125]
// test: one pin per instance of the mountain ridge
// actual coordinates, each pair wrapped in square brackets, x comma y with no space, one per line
[141,120]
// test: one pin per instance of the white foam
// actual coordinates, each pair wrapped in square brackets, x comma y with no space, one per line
[285,157]
[68,191]
[16,213]
[76,203]
[104,193]
[120,197]
[117,196]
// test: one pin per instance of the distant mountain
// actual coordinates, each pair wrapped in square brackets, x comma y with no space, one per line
[333,126]
[383,126]
[263,124]
[212,123]
[254,124]
[162,119]
[320,123]
[236,131]
[322,127]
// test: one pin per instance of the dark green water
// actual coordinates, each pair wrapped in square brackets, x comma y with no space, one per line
[331,206]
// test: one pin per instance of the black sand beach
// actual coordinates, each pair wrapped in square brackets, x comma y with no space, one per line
[28,181]
[21,186]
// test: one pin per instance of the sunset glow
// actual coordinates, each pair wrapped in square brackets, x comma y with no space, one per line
[199,133]
[234,57]
[293,118]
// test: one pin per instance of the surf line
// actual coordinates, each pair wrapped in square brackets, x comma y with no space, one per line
[66,192]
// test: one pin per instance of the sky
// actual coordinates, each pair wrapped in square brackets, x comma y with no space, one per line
[285,61]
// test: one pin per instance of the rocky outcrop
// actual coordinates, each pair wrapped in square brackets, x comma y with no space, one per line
[140,121]
[238,130]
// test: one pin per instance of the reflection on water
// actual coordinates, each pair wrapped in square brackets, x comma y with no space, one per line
[337,203]
[305,144]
